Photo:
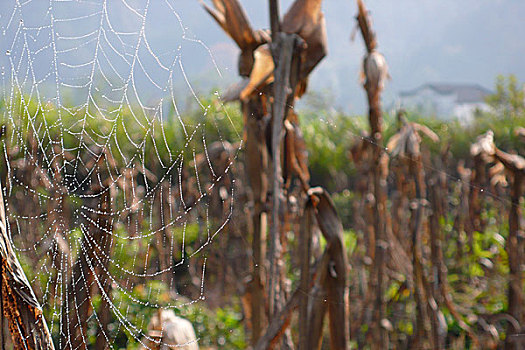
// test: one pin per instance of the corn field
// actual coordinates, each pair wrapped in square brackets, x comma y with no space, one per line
[263,226]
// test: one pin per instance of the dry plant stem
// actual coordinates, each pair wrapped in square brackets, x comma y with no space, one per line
[366,27]
[275,22]
[105,244]
[2,342]
[438,266]
[423,323]
[379,334]
[258,298]
[280,321]
[515,164]
[317,308]
[161,235]
[284,46]
[515,253]
[334,281]
[19,306]
[94,247]
[257,169]
[304,258]
[475,202]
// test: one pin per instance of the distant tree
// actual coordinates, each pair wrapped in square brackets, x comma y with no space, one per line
[509,99]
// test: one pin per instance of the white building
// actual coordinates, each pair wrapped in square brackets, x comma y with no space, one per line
[446,101]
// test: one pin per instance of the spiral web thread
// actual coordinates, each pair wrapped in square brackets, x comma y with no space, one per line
[85,93]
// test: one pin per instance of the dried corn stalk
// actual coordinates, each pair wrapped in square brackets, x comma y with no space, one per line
[19,305]
[515,245]
[380,173]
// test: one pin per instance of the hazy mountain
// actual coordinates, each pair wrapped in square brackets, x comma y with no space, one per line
[467,41]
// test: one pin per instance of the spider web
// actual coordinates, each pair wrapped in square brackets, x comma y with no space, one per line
[103,175]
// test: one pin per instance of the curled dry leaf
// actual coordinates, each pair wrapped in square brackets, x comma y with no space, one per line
[306,19]
[406,142]
[484,146]
[513,162]
[260,75]
[497,175]
[232,18]
[262,72]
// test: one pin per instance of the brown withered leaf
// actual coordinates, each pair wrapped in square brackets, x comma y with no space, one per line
[19,301]
[262,72]
[296,161]
[326,214]
[260,75]
[497,175]
[513,162]
[306,19]
[484,146]
[335,280]
[406,142]
[230,15]
[232,18]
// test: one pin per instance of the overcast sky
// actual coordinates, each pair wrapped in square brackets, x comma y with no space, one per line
[468,41]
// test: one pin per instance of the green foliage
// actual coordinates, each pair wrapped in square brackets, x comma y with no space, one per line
[477,269]
[221,329]
[344,204]
[509,99]
[328,143]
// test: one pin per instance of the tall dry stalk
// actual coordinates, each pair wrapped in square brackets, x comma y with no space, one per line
[515,245]
[18,304]
[91,269]
[256,66]
[375,71]
[405,148]
[485,148]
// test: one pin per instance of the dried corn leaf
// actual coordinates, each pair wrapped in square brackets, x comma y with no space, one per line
[484,146]
[513,162]
[230,15]
[306,19]
[497,175]
[261,73]
[20,305]
[406,142]
[335,280]
[232,18]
